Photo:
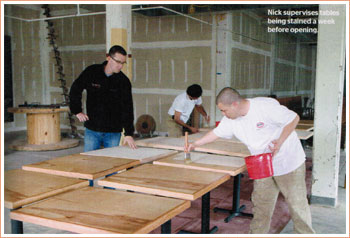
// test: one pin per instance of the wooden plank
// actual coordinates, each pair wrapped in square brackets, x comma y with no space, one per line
[216,147]
[304,127]
[225,148]
[206,162]
[196,136]
[82,166]
[95,210]
[24,187]
[144,155]
[306,122]
[304,135]
[167,181]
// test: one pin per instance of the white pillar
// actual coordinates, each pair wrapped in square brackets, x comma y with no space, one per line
[118,30]
[223,56]
[330,73]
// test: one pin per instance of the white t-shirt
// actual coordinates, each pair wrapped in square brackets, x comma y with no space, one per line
[185,105]
[264,123]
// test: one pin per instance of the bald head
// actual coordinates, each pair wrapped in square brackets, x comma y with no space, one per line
[227,96]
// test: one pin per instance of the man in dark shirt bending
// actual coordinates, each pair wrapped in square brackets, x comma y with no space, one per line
[109,103]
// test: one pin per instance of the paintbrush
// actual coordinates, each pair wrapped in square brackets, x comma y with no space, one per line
[187,154]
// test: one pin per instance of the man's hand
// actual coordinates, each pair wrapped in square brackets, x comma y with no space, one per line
[275,148]
[82,117]
[207,119]
[130,141]
[189,148]
[194,130]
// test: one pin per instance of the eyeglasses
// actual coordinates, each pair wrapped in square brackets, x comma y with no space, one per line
[118,61]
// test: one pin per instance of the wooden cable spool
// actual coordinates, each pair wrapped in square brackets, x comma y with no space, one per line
[145,124]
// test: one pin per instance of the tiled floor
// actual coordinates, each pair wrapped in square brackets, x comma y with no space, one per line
[326,220]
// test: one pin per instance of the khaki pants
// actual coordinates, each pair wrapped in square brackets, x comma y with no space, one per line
[174,129]
[265,195]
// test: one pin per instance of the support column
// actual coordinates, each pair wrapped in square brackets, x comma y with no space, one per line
[118,30]
[223,55]
[330,73]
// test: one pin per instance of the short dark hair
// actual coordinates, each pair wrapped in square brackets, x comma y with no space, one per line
[194,91]
[227,96]
[116,49]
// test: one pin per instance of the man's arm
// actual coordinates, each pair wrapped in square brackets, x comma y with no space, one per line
[75,96]
[287,130]
[177,119]
[207,138]
[201,110]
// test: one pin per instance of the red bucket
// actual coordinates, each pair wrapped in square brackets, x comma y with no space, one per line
[259,166]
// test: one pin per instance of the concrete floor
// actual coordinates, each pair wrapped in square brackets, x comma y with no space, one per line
[326,220]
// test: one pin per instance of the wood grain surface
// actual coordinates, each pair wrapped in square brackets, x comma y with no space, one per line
[166,181]
[216,147]
[306,122]
[206,162]
[82,166]
[24,187]
[304,127]
[36,110]
[95,210]
[144,155]
[304,135]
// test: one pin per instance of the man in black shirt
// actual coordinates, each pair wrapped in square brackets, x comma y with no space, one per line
[109,103]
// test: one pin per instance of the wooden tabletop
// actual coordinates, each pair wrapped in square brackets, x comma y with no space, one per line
[95,210]
[206,162]
[304,135]
[144,155]
[306,122]
[304,127]
[216,147]
[36,110]
[166,181]
[82,166]
[24,187]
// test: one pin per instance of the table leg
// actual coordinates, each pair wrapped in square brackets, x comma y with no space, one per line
[16,226]
[205,228]
[236,209]
[166,227]
[91,182]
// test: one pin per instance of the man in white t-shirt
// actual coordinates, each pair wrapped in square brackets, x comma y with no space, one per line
[263,125]
[181,109]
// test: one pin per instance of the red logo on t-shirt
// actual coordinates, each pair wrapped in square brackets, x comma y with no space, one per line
[260,124]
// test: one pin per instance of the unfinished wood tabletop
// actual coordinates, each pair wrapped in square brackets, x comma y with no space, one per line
[306,122]
[94,210]
[144,155]
[304,135]
[304,127]
[217,147]
[207,162]
[82,166]
[167,181]
[24,187]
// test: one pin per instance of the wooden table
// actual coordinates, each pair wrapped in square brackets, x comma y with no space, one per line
[82,166]
[306,122]
[43,130]
[144,155]
[216,147]
[25,187]
[174,182]
[97,210]
[304,127]
[234,166]
[304,135]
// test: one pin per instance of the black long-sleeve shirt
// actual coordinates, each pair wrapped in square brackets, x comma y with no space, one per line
[109,101]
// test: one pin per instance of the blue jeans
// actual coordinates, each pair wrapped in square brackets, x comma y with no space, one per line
[94,139]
